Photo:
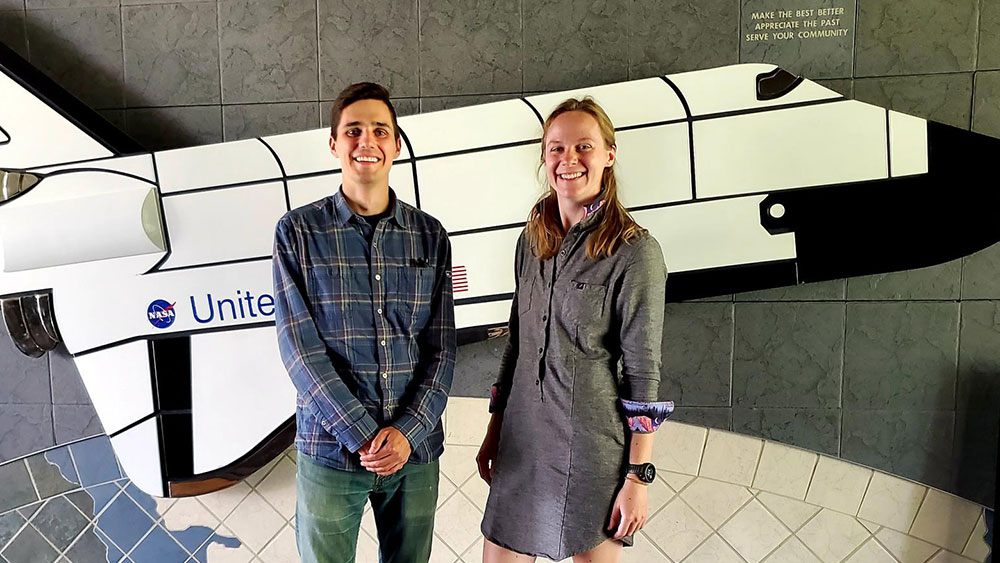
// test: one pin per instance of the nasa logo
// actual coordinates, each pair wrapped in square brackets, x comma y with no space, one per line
[161,314]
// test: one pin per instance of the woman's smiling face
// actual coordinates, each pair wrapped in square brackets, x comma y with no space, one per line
[576,157]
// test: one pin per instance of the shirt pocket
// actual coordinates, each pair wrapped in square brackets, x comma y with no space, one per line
[329,296]
[409,303]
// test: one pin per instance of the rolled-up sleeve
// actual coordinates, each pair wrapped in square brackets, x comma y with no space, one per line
[304,354]
[436,368]
[640,306]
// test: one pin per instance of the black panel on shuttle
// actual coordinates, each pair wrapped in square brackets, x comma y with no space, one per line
[172,373]
[775,84]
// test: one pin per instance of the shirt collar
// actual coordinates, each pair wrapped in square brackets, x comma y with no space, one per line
[592,214]
[342,211]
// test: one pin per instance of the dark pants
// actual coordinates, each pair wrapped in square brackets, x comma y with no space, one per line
[330,504]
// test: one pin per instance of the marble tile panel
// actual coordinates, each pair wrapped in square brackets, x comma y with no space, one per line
[788,354]
[913,444]
[832,290]
[709,417]
[12,28]
[268,51]
[568,44]
[985,110]
[977,548]
[462,518]
[88,547]
[731,458]
[67,386]
[841,86]
[12,5]
[458,463]
[685,452]
[907,549]
[24,429]
[792,513]
[171,54]
[895,38]
[813,57]
[72,422]
[871,552]
[260,120]
[644,550]
[670,36]
[158,546]
[95,460]
[838,485]
[387,28]
[941,282]
[714,550]
[832,535]
[10,524]
[470,47]
[697,354]
[403,106]
[115,117]
[946,520]
[22,379]
[174,127]
[227,554]
[254,521]
[678,529]
[948,557]
[439,103]
[981,274]
[278,488]
[17,488]
[989,36]
[900,355]
[813,429]
[49,480]
[467,421]
[476,366]
[754,532]
[792,551]
[784,470]
[715,501]
[29,546]
[282,548]
[979,356]
[892,502]
[945,98]
[124,522]
[81,50]
[52,4]
[60,522]
[221,503]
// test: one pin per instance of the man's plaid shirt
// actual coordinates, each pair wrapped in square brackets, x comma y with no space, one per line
[367,333]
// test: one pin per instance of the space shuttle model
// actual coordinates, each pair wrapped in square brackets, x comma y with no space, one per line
[154,268]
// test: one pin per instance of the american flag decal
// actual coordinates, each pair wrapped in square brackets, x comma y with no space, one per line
[459,279]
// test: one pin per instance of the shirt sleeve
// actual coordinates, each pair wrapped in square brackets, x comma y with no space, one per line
[640,306]
[500,390]
[303,352]
[436,366]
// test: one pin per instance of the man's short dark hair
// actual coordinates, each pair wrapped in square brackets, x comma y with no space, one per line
[356,93]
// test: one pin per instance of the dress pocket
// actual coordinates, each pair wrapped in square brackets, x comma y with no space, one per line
[583,308]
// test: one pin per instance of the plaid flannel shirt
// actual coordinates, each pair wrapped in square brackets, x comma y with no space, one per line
[366,332]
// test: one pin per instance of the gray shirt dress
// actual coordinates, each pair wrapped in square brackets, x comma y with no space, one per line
[583,357]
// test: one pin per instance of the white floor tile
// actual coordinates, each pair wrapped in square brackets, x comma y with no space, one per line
[163,505]
[730,457]
[793,513]
[838,485]
[457,523]
[440,553]
[218,553]
[643,551]
[445,489]
[676,481]
[458,463]
[906,549]
[367,550]
[475,552]
[187,512]
[679,448]
[714,550]
[715,501]
[368,521]
[891,501]
[259,475]
[478,491]
[255,522]
[467,421]
[948,557]
[946,520]
[792,551]
[871,552]
[784,470]
[832,535]
[221,503]
[677,529]
[754,532]
[278,488]
[872,526]
[659,495]
[282,548]
[976,548]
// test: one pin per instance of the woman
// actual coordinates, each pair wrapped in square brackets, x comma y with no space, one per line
[589,298]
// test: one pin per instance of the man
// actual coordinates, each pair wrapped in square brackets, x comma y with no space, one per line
[366,329]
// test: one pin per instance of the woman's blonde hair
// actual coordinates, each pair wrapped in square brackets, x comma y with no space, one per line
[545,231]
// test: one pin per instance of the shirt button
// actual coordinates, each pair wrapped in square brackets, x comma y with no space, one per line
[382,343]
[545,317]
[540,350]
[379,311]
[385,375]
[374,245]
[378,277]
[562,253]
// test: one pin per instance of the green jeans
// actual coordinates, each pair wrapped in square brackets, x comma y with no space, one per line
[330,503]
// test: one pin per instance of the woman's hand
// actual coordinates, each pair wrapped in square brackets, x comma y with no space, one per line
[630,510]
[486,459]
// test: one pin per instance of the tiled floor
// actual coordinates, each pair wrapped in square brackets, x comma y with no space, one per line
[719,498]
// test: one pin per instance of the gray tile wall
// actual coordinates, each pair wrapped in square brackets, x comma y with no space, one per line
[898,371]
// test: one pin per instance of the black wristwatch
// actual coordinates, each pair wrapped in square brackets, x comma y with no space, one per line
[646,472]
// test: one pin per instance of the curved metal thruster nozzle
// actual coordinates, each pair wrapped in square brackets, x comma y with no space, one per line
[15,183]
[30,323]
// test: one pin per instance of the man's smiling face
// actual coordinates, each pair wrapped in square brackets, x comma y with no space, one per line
[365,143]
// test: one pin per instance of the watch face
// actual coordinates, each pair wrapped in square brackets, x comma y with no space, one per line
[648,473]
